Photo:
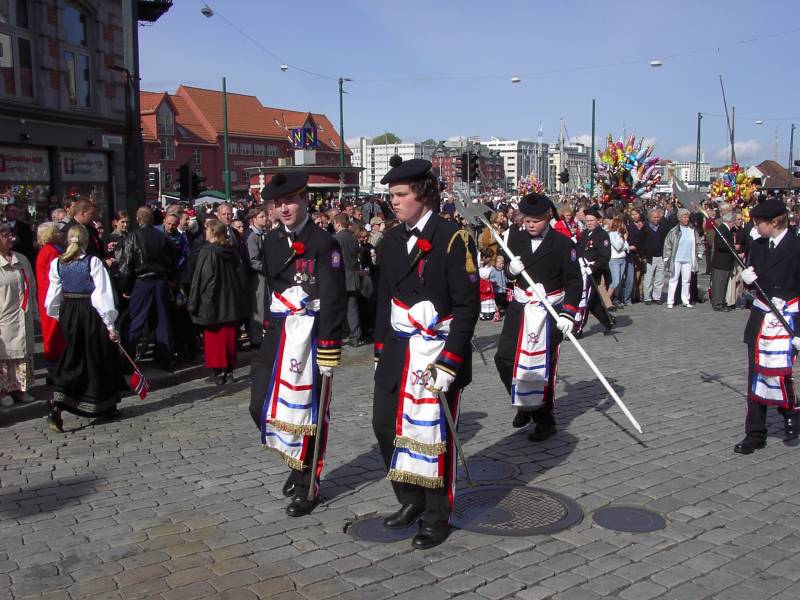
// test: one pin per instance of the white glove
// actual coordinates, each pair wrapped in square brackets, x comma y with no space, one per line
[325,370]
[796,343]
[565,325]
[439,380]
[515,267]
[586,267]
[748,276]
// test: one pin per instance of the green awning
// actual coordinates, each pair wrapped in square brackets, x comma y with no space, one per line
[212,194]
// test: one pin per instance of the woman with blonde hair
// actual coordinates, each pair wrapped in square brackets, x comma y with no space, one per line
[88,378]
[49,240]
[617,236]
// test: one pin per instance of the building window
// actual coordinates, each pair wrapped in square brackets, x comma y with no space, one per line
[259,150]
[73,22]
[246,149]
[77,65]
[14,12]
[16,64]
[233,148]
[165,125]
[272,151]
[196,157]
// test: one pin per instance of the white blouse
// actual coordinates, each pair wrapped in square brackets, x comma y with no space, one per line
[102,297]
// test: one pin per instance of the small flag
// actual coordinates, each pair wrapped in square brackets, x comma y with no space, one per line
[139,384]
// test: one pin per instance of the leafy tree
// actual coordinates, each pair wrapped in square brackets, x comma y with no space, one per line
[386,138]
[430,142]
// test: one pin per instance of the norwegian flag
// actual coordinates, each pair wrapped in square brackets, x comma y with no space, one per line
[139,384]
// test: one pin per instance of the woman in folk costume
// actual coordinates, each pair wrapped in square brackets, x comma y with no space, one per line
[427,309]
[774,262]
[302,343]
[527,351]
[88,378]
[50,241]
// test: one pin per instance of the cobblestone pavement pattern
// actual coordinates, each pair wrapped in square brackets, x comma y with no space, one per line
[178,500]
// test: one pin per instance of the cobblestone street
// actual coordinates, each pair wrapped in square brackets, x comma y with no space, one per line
[178,500]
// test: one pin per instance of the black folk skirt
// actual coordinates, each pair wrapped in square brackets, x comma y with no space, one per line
[88,378]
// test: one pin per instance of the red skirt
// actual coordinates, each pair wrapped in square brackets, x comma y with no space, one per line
[219,343]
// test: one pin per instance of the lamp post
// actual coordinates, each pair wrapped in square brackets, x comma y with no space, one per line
[341,133]
[226,173]
[791,157]
[591,158]
[697,156]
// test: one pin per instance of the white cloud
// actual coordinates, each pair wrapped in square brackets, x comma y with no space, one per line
[747,151]
[353,142]
[650,141]
[685,152]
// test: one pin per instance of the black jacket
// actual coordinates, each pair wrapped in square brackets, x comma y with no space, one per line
[147,255]
[595,246]
[778,275]
[349,245]
[653,241]
[723,258]
[439,276]
[219,292]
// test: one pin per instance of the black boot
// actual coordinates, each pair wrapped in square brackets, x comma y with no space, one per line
[542,432]
[430,535]
[289,486]
[407,515]
[301,506]
[792,428]
[522,418]
[749,445]
[54,420]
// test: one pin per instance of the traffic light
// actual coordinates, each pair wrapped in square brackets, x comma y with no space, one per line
[197,184]
[563,177]
[152,177]
[796,173]
[474,167]
[464,164]
[184,182]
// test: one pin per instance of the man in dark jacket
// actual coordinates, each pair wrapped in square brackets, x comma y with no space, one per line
[148,263]
[83,213]
[349,246]
[594,248]
[23,236]
[723,262]
[652,251]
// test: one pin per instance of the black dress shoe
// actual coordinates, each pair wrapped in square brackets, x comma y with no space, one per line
[408,514]
[430,536]
[749,445]
[522,418]
[301,506]
[542,432]
[792,429]
[289,486]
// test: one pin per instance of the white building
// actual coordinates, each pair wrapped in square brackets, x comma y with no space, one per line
[577,163]
[520,158]
[686,171]
[374,158]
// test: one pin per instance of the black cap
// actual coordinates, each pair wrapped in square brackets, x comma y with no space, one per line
[535,205]
[284,184]
[593,212]
[408,170]
[769,209]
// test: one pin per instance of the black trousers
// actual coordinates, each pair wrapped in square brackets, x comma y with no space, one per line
[438,502]
[507,352]
[594,305]
[719,285]
[755,423]
[149,294]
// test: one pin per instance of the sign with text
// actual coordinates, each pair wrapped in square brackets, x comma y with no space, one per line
[84,166]
[304,137]
[23,164]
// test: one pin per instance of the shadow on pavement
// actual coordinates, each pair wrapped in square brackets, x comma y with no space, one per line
[51,495]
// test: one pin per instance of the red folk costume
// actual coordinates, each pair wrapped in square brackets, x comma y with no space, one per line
[51,333]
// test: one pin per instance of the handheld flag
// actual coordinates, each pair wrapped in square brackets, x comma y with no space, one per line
[139,384]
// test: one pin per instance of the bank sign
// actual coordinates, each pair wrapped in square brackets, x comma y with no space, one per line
[19,165]
[88,167]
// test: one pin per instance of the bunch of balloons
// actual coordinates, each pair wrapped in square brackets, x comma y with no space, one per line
[734,186]
[625,170]
[529,184]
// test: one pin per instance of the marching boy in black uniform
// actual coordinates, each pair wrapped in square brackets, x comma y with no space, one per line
[302,342]
[775,262]
[594,249]
[427,309]
[527,351]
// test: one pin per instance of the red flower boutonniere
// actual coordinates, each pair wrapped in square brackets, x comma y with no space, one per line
[424,245]
[299,248]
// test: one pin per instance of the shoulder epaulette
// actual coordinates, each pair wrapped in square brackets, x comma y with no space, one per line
[469,263]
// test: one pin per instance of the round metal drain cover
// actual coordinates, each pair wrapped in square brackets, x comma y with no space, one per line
[630,519]
[372,530]
[514,510]
[488,470]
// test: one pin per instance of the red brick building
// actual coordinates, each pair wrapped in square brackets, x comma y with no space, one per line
[188,126]
[446,162]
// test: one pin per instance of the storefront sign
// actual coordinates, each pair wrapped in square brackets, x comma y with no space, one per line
[23,164]
[111,140]
[84,166]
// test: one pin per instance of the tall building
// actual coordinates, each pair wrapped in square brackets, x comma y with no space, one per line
[447,160]
[68,117]
[520,158]
[686,171]
[374,159]
[575,160]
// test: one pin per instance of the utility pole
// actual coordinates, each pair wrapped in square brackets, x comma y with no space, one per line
[561,160]
[227,173]
[791,158]
[733,134]
[591,157]
[697,157]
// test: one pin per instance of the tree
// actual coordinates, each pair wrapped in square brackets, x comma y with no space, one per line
[430,142]
[386,138]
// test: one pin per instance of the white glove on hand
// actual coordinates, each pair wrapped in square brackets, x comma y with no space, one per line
[565,325]
[325,370]
[796,343]
[748,276]
[586,267]
[439,380]
[515,267]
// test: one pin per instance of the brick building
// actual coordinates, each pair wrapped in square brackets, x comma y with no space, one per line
[446,161]
[187,126]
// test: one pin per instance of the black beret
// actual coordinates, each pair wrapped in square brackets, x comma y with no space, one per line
[408,170]
[284,184]
[535,205]
[593,212]
[769,209]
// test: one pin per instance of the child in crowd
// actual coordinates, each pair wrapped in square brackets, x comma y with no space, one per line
[497,277]
[486,288]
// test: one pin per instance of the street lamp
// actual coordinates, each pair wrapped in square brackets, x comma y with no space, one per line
[206,11]
[516,79]
[341,133]
[656,64]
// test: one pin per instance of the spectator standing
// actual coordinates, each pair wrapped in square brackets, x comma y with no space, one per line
[376,231]
[617,237]
[50,241]
[17,310]
[722,262]
[682,247]
[258,279]
[218,299]
[23,236]
[349,248]
[653,254]
[635,264]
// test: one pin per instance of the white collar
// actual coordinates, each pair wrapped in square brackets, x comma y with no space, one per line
[420,225]
[777,239]
[299,228]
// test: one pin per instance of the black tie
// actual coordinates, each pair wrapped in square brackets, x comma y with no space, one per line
[413,231]
[771,245]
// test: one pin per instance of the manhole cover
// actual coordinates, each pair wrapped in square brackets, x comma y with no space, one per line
[488,470]
[630,519]
[514,510]
[372,530]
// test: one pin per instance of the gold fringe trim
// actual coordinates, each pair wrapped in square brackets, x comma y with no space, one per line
[293,428]
[406,477]
[295,464]
[469,262]
[402,441]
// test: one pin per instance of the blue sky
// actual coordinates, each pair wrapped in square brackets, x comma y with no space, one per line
[442,69]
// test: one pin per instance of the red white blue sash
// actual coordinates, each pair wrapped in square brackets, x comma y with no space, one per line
[774,355]
[531,374]
[289,415]
[421,431]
